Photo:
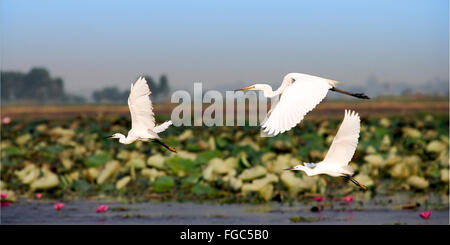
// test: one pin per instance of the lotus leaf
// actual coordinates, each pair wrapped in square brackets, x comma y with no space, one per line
[163,183]
[122,183]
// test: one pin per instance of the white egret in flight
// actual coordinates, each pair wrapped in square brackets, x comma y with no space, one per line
[340,153]
[143,126]
[300,94]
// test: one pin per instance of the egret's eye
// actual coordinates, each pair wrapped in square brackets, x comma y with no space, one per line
[292,79]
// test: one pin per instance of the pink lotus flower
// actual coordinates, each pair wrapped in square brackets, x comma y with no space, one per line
[349,199]
[319,198]
[3,195]
[58,206]
[5,204]
[101,209]
[425,215]
[38,195]
[6,120]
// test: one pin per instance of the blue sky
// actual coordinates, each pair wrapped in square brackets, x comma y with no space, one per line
[226,44]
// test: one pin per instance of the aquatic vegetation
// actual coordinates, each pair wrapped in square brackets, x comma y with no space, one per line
[319,198]
[121,183]
[349,199]
[425,215]
[69,157]
[6,120]
[296,219]
[101,209]
[58,206]
[319,203]
[5,203]
[3,200]
[163,183]
[120,209]
[417,182]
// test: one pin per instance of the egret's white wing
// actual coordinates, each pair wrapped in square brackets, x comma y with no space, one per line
[141,110]
[297,99]
[162,127]
[344,143]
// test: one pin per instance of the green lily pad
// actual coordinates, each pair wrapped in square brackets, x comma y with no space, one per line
[98,160]
[54,149]
[221,142]
[181,166]
[191,180]
[13,151]
[8,163]
[163,183]
[201,189]
[205,156]
[192,147]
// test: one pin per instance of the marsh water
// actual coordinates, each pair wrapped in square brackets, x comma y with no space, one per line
[153,213]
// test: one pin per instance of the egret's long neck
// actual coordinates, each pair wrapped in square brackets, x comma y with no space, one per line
[267,89]
[283,86]
[125,140]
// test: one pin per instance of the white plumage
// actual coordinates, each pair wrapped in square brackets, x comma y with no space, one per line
[344,143]
[142,117]
[340,153]
[300,94]
[300,97]
[141,109]
[162,127]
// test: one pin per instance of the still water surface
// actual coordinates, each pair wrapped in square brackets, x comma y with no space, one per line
[83,212]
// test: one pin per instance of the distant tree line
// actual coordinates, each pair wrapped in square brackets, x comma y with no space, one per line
[38,86]
[35,86]
[114,95]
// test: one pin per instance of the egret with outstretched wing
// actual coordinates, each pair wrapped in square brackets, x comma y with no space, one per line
[300,93]
[143,126]
[340,153]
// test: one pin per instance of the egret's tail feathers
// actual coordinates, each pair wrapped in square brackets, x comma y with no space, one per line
[166,146]
[348,170]
[162,127]
[333,82]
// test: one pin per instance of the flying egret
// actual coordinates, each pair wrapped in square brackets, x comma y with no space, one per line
[300,94]
[340,153]
[142,117]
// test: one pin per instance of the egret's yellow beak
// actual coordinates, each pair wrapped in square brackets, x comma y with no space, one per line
[245,89]
[107,137]
[289,169]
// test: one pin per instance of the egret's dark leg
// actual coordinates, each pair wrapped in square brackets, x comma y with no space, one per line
[166,146]
[358,184]
[357,95]
[348,177]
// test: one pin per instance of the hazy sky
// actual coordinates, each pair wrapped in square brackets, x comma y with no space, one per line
[226,44]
